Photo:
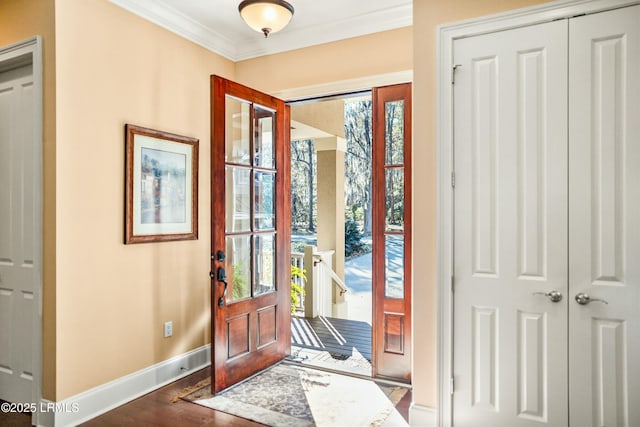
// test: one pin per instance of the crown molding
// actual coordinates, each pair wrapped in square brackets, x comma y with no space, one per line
[374,22]
[170,19]
[246,48]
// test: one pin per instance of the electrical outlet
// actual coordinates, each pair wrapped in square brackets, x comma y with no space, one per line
[168,329]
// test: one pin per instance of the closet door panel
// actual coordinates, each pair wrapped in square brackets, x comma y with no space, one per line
[510,339]
[604,218]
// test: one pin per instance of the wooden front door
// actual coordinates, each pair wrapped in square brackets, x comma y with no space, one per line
[392,232]
[250,276]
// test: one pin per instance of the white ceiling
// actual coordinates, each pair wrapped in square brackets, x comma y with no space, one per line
[216,24]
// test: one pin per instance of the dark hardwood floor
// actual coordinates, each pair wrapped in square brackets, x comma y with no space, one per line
[156,409]
[14,419]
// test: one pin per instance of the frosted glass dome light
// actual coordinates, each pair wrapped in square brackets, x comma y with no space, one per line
[266,16]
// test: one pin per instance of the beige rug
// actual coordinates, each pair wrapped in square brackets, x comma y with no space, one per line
[292,396]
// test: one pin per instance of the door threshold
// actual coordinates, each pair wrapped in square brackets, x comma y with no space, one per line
[289,360]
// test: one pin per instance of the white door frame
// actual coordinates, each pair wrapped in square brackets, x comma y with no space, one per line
[447,34]
[23,53]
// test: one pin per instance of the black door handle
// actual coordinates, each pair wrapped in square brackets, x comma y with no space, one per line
[222,277]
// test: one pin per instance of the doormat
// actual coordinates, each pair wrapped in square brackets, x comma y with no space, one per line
[292,396]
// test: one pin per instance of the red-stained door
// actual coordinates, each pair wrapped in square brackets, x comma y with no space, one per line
[392,232]
[250,294]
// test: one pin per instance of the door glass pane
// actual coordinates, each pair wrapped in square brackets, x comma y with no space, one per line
[394,199]
[394,132]
[238,267]
[264,267]
[263,138]
[237,131]
[238,200]
[394,266]
[264,195]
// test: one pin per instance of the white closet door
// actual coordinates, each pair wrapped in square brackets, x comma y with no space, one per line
[604,218]
[510,346]
[17,239]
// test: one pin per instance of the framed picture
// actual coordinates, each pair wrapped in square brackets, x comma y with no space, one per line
[161,186]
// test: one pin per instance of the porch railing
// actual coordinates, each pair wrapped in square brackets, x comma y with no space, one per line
[321,281]
[297,260]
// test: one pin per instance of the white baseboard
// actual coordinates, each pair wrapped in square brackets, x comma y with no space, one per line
[91,403]
[422,416]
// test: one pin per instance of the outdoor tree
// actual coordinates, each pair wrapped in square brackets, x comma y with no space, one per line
[303,189]
[394,161]
[358,133]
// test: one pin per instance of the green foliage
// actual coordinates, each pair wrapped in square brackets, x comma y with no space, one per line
[297,278]
[241,287]
[239,281]
[298,246]
[353,244]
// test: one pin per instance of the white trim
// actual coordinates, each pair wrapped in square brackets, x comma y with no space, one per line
[447,34]
[241,48]
[345,86]
[369,23]
[33,47]
[422,416]
[91,403]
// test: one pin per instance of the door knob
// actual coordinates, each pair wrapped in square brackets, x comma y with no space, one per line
[554,296]
[584,299]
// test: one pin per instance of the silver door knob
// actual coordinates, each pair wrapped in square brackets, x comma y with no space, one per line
[584,299]
[554,296]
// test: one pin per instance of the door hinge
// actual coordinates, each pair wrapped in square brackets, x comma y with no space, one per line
[453,73]
[453,289]
[451,386]
[453,180]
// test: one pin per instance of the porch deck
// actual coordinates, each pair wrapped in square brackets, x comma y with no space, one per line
[332,343]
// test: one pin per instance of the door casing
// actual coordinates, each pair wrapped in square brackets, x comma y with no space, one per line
[447,34]
[29,51]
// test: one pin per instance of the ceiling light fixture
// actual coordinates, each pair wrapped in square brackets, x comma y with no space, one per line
[266,16]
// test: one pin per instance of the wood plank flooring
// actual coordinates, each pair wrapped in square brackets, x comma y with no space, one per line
[337,336]
[155,409]
[14,419]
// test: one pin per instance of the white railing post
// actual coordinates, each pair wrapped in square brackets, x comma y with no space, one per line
[325,295]
[311,287]
[320,283]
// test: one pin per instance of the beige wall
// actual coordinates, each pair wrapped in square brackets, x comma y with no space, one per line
[427,15]
[112,299]
[107,301]
[20,20]
[380,53]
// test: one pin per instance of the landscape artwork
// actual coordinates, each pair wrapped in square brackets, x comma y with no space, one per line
[161,186]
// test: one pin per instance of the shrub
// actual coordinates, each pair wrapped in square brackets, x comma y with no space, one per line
[353,244]
[296,288]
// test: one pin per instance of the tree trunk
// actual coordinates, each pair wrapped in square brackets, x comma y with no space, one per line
[311,227]
[367,211]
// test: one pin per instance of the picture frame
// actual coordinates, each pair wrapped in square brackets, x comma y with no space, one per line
[161,186]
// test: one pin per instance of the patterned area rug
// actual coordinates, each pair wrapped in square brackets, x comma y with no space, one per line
[292,396]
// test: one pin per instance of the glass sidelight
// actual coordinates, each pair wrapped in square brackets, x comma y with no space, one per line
[394,200]
[392,231]
[250,199]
